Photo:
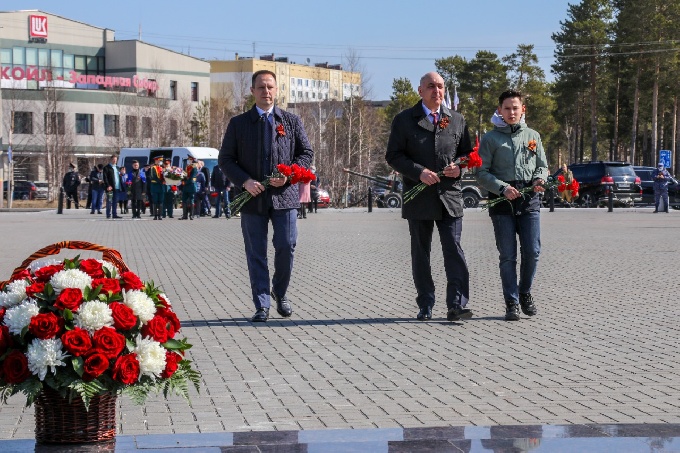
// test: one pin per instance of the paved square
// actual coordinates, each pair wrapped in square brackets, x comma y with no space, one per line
[603,348]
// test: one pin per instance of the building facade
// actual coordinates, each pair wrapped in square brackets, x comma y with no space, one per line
[70,92]
[297,83]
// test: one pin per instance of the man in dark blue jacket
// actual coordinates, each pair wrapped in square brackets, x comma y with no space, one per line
[254,144]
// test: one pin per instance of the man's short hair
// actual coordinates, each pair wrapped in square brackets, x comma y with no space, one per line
[113,155]
[509,94]
[135,161]
[261,72]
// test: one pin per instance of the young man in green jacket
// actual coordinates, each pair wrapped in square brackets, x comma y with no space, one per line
[514,166]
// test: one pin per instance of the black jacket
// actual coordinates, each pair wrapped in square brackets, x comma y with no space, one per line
[110,175]
[414,145]
[71,181]
[218,179]
[241,156]
[96,179]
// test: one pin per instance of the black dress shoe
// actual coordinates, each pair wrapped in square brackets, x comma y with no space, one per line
[457,313]
[424,314]
[283,306]
[526,303]
[261,315]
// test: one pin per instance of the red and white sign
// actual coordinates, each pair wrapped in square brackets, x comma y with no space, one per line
[37,26]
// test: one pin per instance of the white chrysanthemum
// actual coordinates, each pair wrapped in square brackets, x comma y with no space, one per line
[44,354]
[42,262]
[151,356]
[14,293]
[18,317]
[141,305]
[70,278]
[93,315]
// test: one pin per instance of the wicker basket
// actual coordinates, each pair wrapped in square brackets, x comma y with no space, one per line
[59,422]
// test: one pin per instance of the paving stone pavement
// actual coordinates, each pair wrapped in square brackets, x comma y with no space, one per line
[603,348]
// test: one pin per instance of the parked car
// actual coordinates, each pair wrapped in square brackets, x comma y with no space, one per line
[324,199]
[41,190]
[647,183]
[595,178]
[23,190]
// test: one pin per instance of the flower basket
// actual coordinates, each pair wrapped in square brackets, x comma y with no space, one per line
[58,421]
[173,182]
[75,334]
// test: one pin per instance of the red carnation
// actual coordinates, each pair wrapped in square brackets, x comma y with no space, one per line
[94,366]
[126,369]
[156,329]
[45,325]
[45,273]
[172,360]
[15,368]
[296,174]
[5,339]
[123,316]
[284,169]
[93,268]
[108,342]
[69,298]
[35,288]
[109,285]
[77,341]
[131,281]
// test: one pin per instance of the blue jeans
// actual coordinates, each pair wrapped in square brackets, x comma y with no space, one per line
[222,195]
[112,203]
[97,195]
[255,230]
[506,229]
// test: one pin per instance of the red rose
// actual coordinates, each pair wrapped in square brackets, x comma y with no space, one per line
[45,325]
[5,339]
[172,360]
[108,342]
[35,288]
[126,369]
[123,316]
[70,298]
[45,273]
[131,281]
[15,368]
[77,341]
[173,321]
[94,366]
[22,275]
[3,310]
[163,301]
[156,329]
[93,268]
[109,285]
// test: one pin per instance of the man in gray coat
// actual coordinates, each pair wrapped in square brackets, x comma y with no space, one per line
[254,144]
[425,144]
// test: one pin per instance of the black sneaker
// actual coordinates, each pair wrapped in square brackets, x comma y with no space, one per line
[527,304]
[456,313]
[511,311]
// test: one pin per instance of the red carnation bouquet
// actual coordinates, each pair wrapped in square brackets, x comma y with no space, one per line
[85,327]
[472,160]
[294,173]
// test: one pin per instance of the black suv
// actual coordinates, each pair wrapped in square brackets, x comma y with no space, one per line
[647,183]
[595,178]
[23,190]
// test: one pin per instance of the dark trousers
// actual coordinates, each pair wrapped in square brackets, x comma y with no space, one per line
[455,266]
[255,230]
[72,196]
[136,207]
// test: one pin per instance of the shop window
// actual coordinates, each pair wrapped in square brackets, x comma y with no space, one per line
[23,123]
[56,58]
[84,124]
[31,56]
[54,123]
[111,125]
[131,126]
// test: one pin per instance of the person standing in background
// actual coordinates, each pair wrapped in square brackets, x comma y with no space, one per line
[314,187]
[113,185]
[97,187]
[189,190]
[136,180]
[219,181]
[157,183]
[70,184]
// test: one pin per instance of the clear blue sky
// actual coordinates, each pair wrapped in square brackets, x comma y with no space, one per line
[392,39]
